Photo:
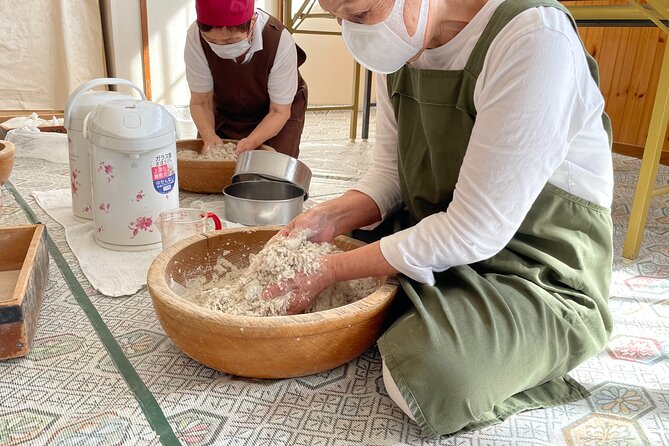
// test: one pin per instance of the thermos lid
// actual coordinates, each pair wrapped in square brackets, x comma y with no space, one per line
[83,100]
[85,103]
[130,125]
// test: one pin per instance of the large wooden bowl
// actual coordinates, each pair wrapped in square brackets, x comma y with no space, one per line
[260,347]
[6,160]
[205,176]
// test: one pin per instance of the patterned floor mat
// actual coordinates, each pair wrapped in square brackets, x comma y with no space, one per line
[69,391]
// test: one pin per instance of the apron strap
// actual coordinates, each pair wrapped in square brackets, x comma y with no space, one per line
[506,12]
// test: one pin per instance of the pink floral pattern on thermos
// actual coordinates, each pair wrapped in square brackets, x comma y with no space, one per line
[74,181]
[140,224]
[108,170]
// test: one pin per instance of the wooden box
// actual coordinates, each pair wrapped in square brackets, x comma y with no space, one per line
[53,129]
[24,270]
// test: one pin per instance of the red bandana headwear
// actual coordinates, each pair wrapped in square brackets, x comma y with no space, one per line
[224,12]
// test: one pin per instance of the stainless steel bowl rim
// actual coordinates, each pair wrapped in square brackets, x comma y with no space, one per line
[250,178]
[257,165]
[227,191]
[242,207]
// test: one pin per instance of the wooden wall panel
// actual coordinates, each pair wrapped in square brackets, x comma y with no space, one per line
[629,61]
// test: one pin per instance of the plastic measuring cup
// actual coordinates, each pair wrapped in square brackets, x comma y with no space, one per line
[177,224]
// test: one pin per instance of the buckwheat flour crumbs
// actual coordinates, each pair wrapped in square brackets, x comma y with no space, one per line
[343,293]
[222,152]
[239,291]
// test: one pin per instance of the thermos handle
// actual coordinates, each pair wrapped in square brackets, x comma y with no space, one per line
[90,85]
[85,125]
[177,133]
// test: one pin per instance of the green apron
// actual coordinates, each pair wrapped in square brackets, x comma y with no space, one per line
[496,337]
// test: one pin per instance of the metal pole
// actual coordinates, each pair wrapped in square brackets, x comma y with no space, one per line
[366,105]
[356,100]
[649,163]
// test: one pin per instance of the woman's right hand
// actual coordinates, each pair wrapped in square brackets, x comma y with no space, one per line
[317,220]
[210,142]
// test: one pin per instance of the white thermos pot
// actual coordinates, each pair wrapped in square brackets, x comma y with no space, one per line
[81,102]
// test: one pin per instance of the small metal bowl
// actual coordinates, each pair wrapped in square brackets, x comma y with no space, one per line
[261,165]
[261,203]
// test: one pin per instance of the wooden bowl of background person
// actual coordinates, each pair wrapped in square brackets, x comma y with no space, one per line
[7,152]
[260,347]
[202,175]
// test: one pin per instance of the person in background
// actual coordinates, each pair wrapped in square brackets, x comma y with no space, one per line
[242,71]
[492,170]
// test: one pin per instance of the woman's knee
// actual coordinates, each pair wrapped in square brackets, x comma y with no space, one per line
[394,392]
[464,392]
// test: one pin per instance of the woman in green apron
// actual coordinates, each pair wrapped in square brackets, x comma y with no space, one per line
[492,166]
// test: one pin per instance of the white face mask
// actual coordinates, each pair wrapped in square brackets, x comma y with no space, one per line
[384,47]
[231,50]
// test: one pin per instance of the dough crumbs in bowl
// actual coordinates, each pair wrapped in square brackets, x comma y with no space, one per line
[221,152]
[238,291]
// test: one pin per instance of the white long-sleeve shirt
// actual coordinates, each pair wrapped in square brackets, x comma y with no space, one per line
[538,120]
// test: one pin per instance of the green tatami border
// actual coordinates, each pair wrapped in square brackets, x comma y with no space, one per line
[143,395]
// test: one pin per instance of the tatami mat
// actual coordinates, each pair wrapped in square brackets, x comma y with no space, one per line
[72,388]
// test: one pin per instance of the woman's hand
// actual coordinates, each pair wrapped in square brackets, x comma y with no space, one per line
[245,145]
[210,142]
[304,289]
[366,261]
[317,221]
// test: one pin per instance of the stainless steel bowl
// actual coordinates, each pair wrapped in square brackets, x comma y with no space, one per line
[263,165]
[260,203]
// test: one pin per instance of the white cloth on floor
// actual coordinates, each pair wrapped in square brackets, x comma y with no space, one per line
[30,142]
[112,273]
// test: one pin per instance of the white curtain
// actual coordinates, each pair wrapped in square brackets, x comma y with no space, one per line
[47,49]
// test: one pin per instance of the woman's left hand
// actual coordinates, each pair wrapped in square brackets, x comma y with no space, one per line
[304,288]
[244,145]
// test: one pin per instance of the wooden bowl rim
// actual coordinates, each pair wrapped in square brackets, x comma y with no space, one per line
[6,145]
[359,310]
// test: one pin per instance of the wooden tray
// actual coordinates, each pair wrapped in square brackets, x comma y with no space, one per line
[24,269]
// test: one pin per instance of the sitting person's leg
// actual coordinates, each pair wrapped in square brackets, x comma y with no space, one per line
[478,348]
[394,392]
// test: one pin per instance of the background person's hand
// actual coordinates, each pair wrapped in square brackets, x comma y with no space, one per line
[318,222]
[244,145]
[304,288]
[210,142]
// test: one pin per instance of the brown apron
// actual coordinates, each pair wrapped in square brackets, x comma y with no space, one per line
[241,99]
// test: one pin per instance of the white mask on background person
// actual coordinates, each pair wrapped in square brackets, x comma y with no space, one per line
[385,46]
[231,50]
